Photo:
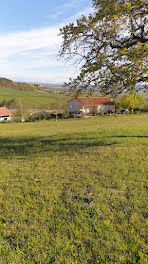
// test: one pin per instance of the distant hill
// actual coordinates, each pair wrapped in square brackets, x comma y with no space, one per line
[50,88]
[8,84]
[31,100]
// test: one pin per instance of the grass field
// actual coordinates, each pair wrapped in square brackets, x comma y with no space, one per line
[74,191]
[33,99]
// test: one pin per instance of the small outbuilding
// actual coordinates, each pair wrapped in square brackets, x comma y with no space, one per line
[5,114]
[90,105]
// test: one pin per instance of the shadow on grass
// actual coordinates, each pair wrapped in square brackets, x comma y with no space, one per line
[129,137]
[10,148]
[43,146]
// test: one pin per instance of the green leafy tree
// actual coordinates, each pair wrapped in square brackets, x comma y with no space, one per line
[117,103]
[111,46]
[132,101]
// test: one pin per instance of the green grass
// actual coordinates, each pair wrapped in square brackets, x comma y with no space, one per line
[74,191]
[32,99]
[8,84]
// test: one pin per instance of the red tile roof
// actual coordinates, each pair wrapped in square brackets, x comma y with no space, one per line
[4,111]
[94,101]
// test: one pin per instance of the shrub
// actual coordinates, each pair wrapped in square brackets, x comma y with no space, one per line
[42,116]
[71,115]
[53,116]
[16,120]
[145,107]
[60,115]
[101,114]
[137,112]
[66,115]
[127,112]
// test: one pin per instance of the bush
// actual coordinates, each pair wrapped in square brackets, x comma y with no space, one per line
[110,112]
[43,116]
[127,112]
[101,114]
[75,115]
[53,116]
[137,112]
[9,103]
[16,120]
[71,115]
[66,115]
[144,109]
[60,116]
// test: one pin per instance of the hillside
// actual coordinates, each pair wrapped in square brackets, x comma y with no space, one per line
[8,84]
[32,99]
[74,191]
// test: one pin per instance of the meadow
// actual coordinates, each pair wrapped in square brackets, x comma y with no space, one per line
[33,99]
[74,191]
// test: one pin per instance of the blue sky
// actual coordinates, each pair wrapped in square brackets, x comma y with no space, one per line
[29,40]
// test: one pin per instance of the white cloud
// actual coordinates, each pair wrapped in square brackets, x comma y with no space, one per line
[60,10]
[32,55]
[56,14]
[17,43]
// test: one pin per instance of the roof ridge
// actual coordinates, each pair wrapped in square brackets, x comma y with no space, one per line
[94,100]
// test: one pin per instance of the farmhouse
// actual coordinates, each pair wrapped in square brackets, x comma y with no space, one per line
[90,105]
[5,114]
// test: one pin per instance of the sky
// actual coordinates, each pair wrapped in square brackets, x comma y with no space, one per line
[29,41]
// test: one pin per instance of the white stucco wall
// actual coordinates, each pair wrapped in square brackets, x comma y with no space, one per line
[74,106]
[5,118]
[106,108]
